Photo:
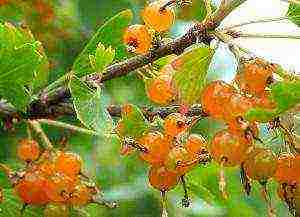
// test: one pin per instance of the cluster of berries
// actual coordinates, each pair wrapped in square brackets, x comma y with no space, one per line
[171,153]
[235,145]
[53,178]
[158,17]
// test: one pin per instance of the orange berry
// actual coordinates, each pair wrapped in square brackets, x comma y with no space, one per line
[213,98]
[157,147]
[254,76]
[157,19]
[175,124]
[237,106]
[60,187]
[196,145]
[228,148]
[260,164]
[161,90]
[288,169]
[82,195]
[162,179]
[68,163]
[31,188]
[176,160]
[138,37]
[243,128]
[28,150]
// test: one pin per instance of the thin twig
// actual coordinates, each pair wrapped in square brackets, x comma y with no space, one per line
[263,20]
[258,35]
[66,126]
[38,129]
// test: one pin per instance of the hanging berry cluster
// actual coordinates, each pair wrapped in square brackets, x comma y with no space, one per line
[158,18]
[235,145]
[171,153]
[53,179]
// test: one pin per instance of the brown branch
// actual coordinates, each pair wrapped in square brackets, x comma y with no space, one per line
[151,112]
[56,103]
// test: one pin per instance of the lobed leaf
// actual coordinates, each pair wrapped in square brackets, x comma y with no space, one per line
[293,13]
[110,34]
[23,67]
[90,109]
[286,95]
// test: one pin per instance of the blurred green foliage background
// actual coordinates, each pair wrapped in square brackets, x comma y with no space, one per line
[64,27]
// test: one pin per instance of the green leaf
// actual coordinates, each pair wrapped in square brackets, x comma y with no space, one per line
[89,106]
[102,58]
[194,11]
[110,34]
[190,73]
[261,115]
[23,67]
[11,207]
[133,123]
[294,13]
[285,94]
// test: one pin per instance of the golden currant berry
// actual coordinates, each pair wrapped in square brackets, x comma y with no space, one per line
[236,107]
[162,179]
[176,160]
[176,124]
[161,90]
[214,96]
[60,187]
[82,195]
[138,38]
[32,188]
[196,145]
[28,150]
[228,149]
[158,18]
[157,147]
[68,163]
[255,76]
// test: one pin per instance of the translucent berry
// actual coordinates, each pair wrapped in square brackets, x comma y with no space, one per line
[31,188]
[28,150]
[60,187]
[138,38]
[68,163]
[260,164]
[157,147]
[161,90]
[176,160]
[162,179]
[255,75]
[236,106]
[158,18]
[55,210]
[288,169]
[215,96]
[228,149]
[248,130]
[176,124]
[196,145]
[82,195]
